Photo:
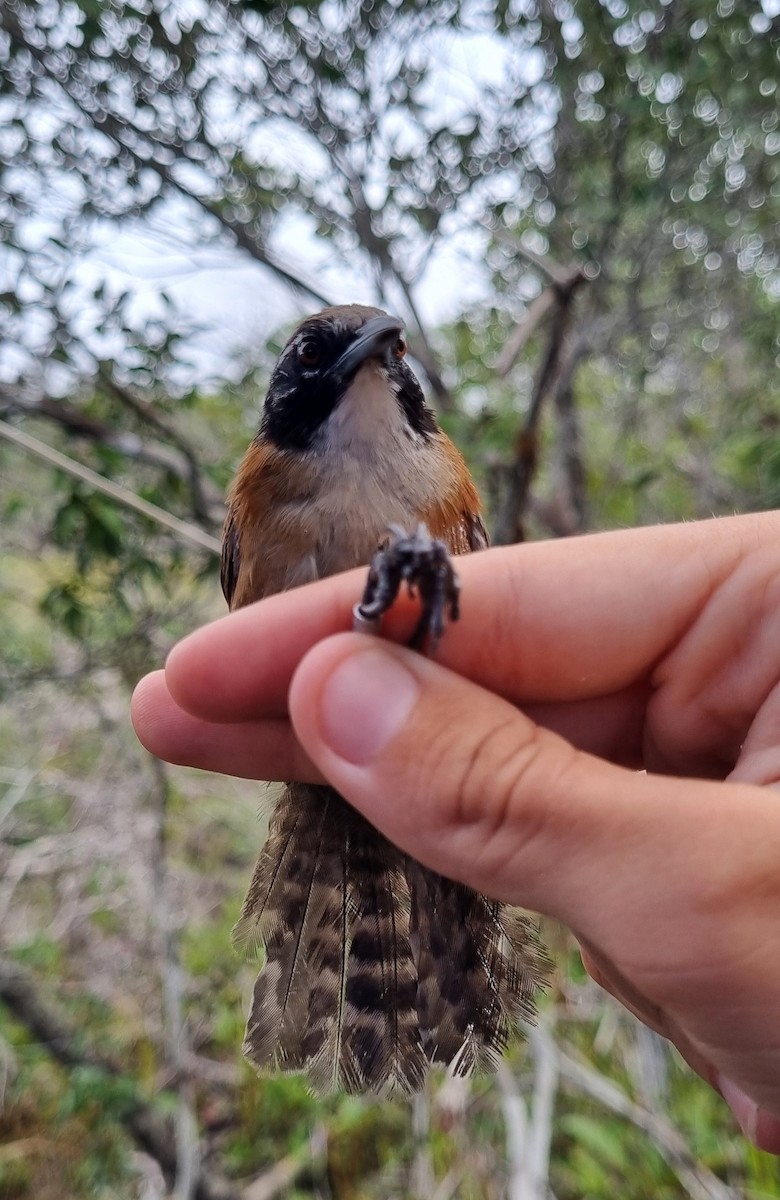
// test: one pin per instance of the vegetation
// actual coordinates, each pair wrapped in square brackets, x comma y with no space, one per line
[575,208]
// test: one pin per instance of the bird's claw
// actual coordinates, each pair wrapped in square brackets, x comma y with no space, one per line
[424,564]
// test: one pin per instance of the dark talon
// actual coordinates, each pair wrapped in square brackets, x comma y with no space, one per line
[424,564]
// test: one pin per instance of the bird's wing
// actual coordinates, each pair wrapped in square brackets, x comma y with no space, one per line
[476,532]
[460,533]
[230,562]
[266,540]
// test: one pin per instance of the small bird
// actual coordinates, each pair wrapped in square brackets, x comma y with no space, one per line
[375,968]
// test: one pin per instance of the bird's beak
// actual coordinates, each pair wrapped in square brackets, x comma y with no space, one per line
[374,341]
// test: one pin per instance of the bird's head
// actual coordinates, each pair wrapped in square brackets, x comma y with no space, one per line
[343,377]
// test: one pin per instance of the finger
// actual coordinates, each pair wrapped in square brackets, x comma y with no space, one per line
[712,684]
[604,974]
[761,1128]
[675,880]
[267,750]
[611,727]
[759,758]
[607,976]
[459,776]
[566,620]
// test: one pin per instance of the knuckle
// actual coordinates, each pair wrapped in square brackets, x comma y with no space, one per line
[507,780]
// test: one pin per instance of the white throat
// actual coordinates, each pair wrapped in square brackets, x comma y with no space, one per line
[368,469]
[368,421]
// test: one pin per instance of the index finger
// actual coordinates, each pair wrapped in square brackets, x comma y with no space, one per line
[546,622]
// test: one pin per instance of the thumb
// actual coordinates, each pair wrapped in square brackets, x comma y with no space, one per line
[673,881]
[467,784]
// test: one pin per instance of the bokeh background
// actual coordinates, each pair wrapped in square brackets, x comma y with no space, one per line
[575,207]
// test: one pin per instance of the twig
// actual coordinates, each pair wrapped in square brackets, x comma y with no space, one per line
[176,459]
[45,855]
[205,497]
[284,1173]
[545,1055]
[175,1033]
[529,1140]
[219,1076]
[152,1184]
[537,310]
[118,130]
[183,530]
[516,1125]
[570,469]
[422,1167]
[552,271]
[150,1130]
[647,1060]
[448,1186]
[19,781]
[698,1181]
[8,1068]
[22,1148]
[509,522]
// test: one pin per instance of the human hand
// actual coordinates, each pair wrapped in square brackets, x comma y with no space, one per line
[653,648]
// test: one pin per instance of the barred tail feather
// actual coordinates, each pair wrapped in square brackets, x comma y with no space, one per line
[383,1044]
[470,982]
[375,968]
[283,906]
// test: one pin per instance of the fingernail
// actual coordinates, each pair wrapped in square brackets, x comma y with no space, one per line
[744,1109]
[365,705]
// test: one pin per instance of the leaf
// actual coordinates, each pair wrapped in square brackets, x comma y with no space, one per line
[603,1137]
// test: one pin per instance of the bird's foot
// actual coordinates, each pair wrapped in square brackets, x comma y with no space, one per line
[424,564]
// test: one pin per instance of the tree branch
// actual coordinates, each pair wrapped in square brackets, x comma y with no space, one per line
[149,1129]
[524,331]
[282,1175]
[207,503]
[116,129]
[205,497]
[176,1039]
[572,492]
[509,523]
[699,1182]
[182,529]
[529,1135]
[553,272]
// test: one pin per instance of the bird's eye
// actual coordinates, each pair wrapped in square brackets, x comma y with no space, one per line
[399,349]
[309,354]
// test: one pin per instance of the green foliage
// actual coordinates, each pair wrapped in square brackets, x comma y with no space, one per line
[106,1099]
[638,142]
[602,1153]
[59,1136]
[41,953]
[276,1118]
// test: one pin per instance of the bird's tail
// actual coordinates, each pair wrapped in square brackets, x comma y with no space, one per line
[375,966]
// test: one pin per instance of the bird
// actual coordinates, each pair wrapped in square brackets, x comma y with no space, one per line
[376,969]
